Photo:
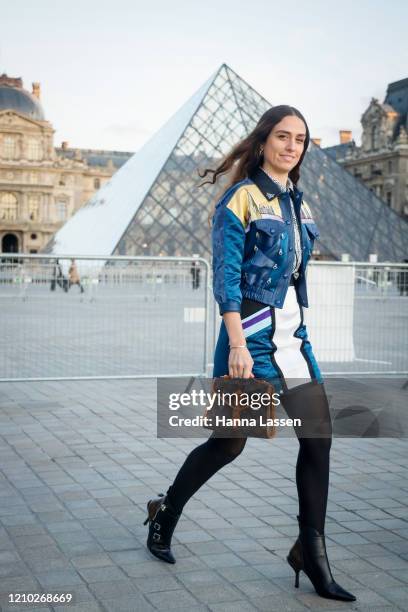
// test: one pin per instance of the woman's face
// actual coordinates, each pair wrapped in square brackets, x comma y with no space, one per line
[284,145]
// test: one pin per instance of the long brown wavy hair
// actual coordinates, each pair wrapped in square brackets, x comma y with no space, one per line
[245,156]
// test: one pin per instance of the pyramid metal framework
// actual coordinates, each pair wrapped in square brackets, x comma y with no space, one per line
[152,205]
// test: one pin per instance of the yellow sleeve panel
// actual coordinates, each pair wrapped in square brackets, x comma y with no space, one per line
[239,205]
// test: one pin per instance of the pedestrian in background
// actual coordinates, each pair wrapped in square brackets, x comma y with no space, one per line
[195,274]
[58,278]
[73,276]
[402,279]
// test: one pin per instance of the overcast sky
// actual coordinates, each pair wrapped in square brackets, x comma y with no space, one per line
[112,73]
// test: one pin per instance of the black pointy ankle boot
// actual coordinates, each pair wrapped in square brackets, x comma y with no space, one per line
[309,554]
[162,519]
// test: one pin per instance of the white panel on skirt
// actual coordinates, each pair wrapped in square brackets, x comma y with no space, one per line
[288,356]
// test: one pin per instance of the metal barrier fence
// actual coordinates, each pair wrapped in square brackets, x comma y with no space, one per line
[133,317]
[140,317]
[358,317]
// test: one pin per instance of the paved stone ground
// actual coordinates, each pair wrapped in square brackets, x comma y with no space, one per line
[78,461]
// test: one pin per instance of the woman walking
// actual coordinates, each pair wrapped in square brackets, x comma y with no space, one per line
[262,237]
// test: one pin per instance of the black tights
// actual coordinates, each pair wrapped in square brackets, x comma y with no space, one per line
[307,402]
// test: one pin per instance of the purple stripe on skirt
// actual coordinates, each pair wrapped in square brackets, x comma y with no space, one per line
[260,317]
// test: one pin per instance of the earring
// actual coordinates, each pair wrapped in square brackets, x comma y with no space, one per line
[260,152]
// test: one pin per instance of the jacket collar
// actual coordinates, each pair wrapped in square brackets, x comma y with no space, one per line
[271,188]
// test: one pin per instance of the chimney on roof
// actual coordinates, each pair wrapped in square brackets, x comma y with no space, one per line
[345,136]
[317,141]
[64,145]
[36,90]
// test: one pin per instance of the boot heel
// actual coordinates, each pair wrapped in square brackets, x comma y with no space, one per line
[295,568]
[295,560]
[148,510]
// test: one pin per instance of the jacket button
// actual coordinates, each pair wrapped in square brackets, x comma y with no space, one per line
[272,230]
[255,248]
[275,266]
[257,234]
[280,251]
[291,248]
[287,222]
[278,301]
[285,276]
[282,236]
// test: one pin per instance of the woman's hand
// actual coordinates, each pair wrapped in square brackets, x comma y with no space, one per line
[240,363]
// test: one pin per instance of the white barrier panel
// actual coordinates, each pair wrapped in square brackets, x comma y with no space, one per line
[329,318]
[194,315]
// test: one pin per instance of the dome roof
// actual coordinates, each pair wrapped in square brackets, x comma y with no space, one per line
[14,97]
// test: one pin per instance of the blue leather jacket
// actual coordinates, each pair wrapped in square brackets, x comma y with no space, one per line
[253,243]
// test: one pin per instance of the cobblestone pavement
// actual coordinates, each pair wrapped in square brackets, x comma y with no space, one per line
[79,460]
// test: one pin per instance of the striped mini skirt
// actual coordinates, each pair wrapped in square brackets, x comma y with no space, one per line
[278,342]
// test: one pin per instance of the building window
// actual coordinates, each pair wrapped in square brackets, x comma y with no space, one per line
[33,251]
[34,149]
[9,147]
[33,236]
[97,183]
[390,166]
[63,180]
[8,207]
[33,208]
[389,198]
[61,211]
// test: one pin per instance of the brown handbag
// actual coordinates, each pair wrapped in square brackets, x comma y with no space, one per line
[235,412]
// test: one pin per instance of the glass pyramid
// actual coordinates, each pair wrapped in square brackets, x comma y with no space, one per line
[152,205]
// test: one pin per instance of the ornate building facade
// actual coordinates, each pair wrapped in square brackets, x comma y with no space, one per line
[41,186]
[381,161]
